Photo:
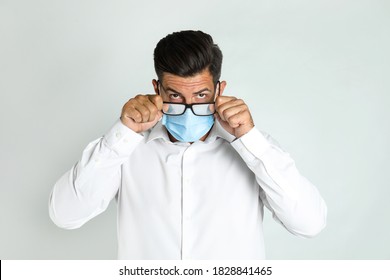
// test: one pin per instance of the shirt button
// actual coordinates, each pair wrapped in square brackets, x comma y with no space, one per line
[118,134]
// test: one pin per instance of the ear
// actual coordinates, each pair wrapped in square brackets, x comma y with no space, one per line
[155,86]
[222,86]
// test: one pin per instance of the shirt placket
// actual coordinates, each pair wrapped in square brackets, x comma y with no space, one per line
[187,202]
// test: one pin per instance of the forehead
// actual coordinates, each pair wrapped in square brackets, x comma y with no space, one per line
[202,79]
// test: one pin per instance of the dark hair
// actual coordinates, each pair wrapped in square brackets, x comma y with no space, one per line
[187,53]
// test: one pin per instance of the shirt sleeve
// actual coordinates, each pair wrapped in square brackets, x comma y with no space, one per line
[86,190]
[293,200]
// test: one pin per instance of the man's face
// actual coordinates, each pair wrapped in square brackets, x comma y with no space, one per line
[196,89]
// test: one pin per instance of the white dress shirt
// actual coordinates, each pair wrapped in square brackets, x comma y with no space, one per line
[188,201]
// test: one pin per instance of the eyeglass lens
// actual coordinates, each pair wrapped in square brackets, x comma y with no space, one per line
[198,109]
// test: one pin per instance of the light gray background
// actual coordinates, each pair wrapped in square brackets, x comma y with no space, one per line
[314,73]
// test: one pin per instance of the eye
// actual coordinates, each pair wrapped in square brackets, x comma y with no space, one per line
[202,95]
[174,96]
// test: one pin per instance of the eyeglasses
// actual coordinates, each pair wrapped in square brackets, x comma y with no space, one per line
[199,109]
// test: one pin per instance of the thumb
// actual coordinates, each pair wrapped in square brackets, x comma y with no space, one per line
[146,126]
[157,118]
[225,125]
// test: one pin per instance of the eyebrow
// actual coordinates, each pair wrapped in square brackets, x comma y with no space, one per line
[197,92]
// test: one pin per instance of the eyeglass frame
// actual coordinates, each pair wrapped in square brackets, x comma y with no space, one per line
[188,105]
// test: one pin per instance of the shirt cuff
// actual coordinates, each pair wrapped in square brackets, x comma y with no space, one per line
[121,139]
[251,145]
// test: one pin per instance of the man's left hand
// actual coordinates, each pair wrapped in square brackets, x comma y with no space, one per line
[233,114]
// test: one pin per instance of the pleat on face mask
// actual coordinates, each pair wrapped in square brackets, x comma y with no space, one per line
[188,127]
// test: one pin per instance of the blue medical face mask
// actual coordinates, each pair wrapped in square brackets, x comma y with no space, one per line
[188,127]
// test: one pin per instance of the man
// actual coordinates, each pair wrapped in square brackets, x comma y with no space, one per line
[189,170]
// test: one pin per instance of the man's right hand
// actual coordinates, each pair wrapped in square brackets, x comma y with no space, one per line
[142,112]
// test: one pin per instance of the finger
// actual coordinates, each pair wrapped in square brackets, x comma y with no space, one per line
[231,111]
[149,111]
[157,101]
[219,102]
[241,118]
[135,110]
[223,99]
[229,104]
[132,113]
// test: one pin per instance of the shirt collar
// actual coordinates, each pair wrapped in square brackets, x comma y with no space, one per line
[217,131]
[156,132]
